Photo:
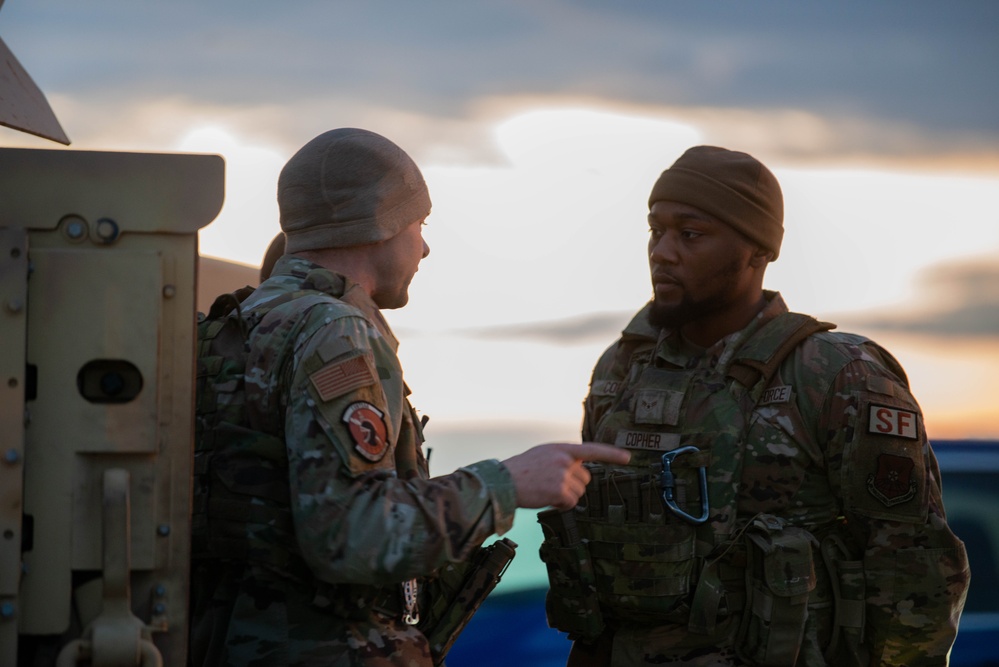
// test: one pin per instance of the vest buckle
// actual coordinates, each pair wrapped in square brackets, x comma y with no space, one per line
[668,484]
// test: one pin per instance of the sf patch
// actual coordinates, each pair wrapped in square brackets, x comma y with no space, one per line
[893,482]
[884,420]
[366,424]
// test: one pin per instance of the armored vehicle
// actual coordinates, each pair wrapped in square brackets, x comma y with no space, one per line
[98,262]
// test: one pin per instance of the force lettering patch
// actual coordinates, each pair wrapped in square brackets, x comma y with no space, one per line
[781,394]
[367,428]
[893,421]
[337,378]
[892,484]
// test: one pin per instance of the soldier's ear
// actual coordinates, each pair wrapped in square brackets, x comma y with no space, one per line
[760,257]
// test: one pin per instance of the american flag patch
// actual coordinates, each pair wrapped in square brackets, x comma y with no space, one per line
[337,378]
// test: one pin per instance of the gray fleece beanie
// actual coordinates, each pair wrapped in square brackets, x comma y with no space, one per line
[349,187]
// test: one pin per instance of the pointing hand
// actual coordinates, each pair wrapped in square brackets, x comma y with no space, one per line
[554,475]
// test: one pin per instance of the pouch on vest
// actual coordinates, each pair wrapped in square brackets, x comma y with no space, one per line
[642,557]
[571,605]
[846,576]
[779,576]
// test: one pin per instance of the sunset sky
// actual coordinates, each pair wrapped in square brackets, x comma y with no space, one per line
[540,127]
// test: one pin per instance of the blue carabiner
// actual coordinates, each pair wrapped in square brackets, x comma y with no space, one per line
[666,480]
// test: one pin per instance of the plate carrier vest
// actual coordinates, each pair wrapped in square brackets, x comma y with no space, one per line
[660,540]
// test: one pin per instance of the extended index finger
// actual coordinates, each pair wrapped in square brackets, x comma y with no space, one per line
[594,451]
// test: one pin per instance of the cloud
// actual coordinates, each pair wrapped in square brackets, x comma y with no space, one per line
[594,327]
[966,298]
[923,66]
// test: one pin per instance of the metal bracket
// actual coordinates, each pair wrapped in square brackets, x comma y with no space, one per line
[117,636]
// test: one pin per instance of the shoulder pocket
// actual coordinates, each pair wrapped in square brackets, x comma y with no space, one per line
[885,465]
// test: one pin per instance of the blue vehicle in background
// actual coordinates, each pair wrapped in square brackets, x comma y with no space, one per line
[511,629]
[970,472]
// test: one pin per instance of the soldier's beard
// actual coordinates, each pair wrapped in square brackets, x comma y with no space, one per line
[692,309]
[674,316]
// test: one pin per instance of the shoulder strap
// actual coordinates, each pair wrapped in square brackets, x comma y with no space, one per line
[225,303]
[770,346]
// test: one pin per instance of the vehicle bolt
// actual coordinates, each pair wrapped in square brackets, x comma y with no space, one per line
[14,305]
[7,610]
[160,590]
[75,229]
[163,529]
[12,456]
[107,230]
[159,608]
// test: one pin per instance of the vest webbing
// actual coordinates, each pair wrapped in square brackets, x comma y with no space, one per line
[757,362]
[754,367]
[642,564]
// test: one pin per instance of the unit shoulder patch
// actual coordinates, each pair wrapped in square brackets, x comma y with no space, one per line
[893,482]
[366,424]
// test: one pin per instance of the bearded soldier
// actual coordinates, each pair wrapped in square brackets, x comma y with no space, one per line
[318,536]
[782,505]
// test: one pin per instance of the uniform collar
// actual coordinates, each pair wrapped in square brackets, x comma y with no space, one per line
[674,352]
[308,275]
[639,326]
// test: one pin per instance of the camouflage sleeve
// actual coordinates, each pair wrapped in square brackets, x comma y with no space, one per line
[883,470]
[357,519]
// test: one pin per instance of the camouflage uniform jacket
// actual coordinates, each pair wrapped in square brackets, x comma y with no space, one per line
[325,377]
[835,445]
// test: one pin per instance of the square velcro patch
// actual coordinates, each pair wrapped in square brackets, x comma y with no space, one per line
[339,377]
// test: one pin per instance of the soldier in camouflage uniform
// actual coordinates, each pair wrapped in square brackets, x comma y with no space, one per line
[782,505]
[316,524]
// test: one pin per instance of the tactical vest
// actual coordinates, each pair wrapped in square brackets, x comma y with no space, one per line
[661,540]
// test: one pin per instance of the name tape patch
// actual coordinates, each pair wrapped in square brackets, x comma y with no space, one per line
[660,442]
[884,420]
[605,387]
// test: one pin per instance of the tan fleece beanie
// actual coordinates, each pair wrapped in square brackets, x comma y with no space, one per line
[734,187]
[349,187]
